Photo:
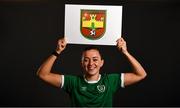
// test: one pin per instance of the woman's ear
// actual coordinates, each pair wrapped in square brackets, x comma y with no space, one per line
[102,62]
[81,63]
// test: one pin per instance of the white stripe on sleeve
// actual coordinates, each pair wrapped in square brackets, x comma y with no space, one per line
[62,81]
[122,80]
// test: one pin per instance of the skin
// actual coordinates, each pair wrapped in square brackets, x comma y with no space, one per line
[138,73]
[45,73]
[91,64]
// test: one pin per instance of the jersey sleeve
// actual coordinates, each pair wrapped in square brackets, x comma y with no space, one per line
[115,81]
[68,83]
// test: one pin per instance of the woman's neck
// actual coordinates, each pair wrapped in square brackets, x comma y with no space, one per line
[92,77]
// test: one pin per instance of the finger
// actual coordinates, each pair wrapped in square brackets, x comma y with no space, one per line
[59,41]
[65,38]
[122,39]
[117,40]
[62,41]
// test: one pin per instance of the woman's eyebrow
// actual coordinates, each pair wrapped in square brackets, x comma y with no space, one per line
[96,57]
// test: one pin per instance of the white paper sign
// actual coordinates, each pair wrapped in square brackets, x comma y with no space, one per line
[93,24]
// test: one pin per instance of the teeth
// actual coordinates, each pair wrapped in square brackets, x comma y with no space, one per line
[91,68]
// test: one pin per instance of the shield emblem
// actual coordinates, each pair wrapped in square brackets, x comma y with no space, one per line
[93,23]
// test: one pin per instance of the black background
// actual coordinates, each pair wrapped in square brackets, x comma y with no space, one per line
[29,30]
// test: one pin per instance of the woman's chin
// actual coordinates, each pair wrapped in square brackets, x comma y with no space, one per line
[91,73]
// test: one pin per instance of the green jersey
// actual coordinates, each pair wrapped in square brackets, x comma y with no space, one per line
[86,94]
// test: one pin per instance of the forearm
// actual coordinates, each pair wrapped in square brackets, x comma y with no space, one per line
[47,65]
[138,73]
[44,71]
[137,68]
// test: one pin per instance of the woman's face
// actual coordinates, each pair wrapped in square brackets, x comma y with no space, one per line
[92,62]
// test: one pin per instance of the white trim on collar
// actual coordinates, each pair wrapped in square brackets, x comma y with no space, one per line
[91,82]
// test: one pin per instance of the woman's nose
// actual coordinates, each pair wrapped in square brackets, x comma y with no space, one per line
[90,62]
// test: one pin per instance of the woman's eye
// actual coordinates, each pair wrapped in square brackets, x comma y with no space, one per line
[85,60]
[95,59]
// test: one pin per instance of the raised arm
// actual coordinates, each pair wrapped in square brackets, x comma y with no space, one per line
[138,73]
[44,71]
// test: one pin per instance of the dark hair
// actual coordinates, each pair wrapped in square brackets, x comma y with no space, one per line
[92,47]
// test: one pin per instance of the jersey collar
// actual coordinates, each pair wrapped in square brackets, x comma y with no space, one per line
[92,82]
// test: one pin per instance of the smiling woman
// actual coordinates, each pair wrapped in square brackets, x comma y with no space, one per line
[91,63]
[91,89]
[29,29]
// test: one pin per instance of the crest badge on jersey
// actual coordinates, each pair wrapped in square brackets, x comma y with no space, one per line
[93,23]
[101,88]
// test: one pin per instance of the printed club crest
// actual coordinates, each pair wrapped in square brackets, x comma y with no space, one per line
[93,23]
